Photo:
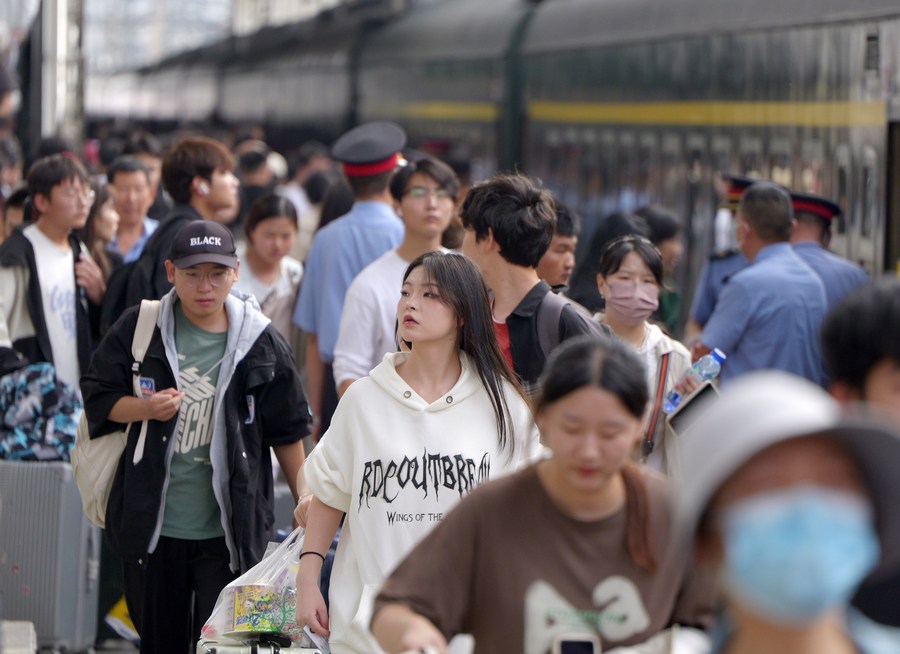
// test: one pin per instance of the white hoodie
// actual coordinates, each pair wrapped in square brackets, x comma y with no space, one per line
[396,464]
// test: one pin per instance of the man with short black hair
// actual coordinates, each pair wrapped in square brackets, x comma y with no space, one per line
[47,278]
[146,148]
[558,263]
[197,172]
[129,183]
[862,359]
[509,222]
[769,313]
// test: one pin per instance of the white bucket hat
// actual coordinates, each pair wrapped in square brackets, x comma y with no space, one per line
[764,408]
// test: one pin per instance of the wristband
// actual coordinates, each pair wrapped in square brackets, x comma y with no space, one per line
[321,556]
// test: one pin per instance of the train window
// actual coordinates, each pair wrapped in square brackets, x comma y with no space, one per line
[671,171]
[587,163]
[842,189]
[751,155]
[647,182]
[869,197]
[812,165]
[721,153]
[780,163]
[627,169]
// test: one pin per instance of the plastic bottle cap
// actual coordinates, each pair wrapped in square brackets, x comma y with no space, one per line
[718,355]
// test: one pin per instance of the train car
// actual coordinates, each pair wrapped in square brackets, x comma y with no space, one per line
[636,101]
[301,89]
[445,70]
[613,104]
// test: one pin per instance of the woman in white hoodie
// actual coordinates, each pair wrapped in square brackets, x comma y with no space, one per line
[407,442]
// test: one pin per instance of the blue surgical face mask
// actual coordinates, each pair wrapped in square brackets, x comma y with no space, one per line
[793,553]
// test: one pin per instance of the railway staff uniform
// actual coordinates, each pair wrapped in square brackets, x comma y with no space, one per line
[814,216]
[723,263]
[717,270]
[769,313]
[344,247]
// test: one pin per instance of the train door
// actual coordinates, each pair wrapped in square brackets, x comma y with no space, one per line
[871,219]
[892,231]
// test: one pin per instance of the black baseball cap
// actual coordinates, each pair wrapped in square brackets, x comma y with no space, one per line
[203,241]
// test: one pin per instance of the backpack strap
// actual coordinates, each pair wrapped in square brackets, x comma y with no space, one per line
[647,445]
[143,334]
[549,311]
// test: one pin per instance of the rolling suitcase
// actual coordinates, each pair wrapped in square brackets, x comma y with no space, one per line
[49,555]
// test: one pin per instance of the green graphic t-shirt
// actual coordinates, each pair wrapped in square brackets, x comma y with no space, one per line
[192,512]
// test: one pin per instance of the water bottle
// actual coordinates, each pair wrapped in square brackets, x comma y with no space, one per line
[706,368]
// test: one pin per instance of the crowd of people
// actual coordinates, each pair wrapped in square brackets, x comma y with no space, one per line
[473,417]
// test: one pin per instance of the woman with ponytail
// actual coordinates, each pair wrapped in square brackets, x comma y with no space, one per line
[574,547]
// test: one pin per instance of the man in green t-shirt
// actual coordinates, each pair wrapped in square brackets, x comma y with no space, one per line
[192,509]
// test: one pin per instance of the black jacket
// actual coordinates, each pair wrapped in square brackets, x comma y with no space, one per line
[264,405]
[17,252]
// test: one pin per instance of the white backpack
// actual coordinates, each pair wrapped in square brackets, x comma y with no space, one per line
[94,460]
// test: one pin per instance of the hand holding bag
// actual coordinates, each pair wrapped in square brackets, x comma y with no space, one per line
[262,602]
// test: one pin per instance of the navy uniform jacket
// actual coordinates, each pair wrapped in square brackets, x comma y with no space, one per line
[838,275]
[769,316]
[716,272]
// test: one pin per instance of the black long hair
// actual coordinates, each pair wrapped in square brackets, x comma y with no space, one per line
[462,288]
[611,365]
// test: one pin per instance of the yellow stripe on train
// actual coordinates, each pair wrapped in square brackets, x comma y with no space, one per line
[810,114]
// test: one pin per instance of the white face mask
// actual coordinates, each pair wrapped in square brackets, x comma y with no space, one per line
[632,302]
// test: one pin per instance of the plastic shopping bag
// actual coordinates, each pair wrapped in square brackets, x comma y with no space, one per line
[262,601]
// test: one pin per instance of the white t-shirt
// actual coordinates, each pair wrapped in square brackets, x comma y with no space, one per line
[369,318]
[276,300]
[56,277]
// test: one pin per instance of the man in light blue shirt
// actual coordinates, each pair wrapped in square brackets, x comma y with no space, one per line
[129,182]
[769,314]
[812,233]
[370,153]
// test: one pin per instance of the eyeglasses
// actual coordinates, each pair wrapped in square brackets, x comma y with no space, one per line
[419,192]
[193,278]
[73,194]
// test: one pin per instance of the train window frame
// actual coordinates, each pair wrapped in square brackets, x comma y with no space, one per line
[751,147]
[812,150]
[672,191]
[869,223]
[647,155]
[626,161]
[843,190]
[779,162]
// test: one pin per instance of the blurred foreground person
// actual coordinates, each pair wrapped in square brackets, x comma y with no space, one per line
[794,508]
[574,545]
[862,359]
